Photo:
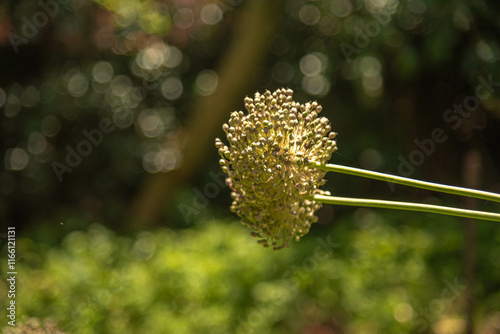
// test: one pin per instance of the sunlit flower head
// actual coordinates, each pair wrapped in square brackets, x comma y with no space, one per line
[267,164]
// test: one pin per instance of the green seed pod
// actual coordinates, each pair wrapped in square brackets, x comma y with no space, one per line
[269,150]
[218,143]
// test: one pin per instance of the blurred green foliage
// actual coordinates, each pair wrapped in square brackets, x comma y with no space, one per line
[376,273]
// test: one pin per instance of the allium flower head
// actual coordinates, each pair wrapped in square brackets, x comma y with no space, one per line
[267,164]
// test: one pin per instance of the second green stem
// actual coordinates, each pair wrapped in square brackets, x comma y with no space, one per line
[335,200]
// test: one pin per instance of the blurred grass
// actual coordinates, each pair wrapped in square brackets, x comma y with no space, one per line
[374,273]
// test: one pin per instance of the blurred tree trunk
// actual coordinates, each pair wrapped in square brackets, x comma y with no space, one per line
[235,70]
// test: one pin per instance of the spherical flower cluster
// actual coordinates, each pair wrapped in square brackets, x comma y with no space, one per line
[267,165]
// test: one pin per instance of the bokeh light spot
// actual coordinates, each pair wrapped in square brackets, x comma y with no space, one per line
[150,163]
[172,88]
[152,57]
[123,117]
[37,143]
[162,160]
[169,158]
[416,6]
[369,66]
[309,14]
[145,246]
[211,14]
[150,123]
[13,106]
[372,86]
[102,72]
[376,4]
[311,64]
[370,159]
[484,51]
[173,57]
[403,312]
[126,15]
[316,85]
[16,159]
[206,82]
[121,85]
[78,85]
[329,25]
[341,8]
[184,18]
[462,18]
[408,20]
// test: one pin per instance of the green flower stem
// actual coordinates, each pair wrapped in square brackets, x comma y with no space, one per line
[407,206]
[408,182]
